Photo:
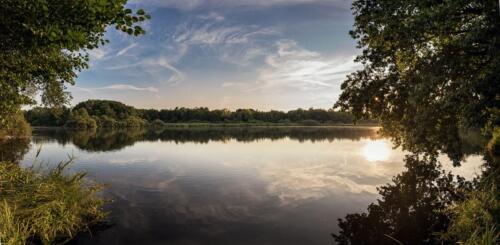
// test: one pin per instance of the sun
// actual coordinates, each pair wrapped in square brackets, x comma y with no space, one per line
[376,151]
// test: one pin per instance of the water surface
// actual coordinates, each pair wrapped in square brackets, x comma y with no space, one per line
[232,185]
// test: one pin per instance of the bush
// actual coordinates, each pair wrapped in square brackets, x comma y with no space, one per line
[16,127]
[50,207]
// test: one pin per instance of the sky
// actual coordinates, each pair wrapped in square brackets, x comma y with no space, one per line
[262,54]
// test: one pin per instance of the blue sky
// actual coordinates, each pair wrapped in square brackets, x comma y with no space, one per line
[264,54]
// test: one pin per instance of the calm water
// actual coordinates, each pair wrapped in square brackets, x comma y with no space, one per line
[229,186]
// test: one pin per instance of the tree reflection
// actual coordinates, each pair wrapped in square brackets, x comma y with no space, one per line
[14,149]
[410,210]
[101,140]
[111,140]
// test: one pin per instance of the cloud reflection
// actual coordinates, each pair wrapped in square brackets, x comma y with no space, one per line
[274,190]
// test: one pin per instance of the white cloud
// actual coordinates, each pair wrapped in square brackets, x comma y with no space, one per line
[129,87]
[77,88]
[195,4]
[151,66]
[292,66]
[176,77]
[117,86]
[214,34]
[212,16]
[228,42]
[98,54]
[179,4]
[126,49]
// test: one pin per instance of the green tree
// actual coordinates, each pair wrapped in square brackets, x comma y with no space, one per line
[43,45]
[430,68]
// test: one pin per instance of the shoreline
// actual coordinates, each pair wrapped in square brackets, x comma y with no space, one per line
[222,125]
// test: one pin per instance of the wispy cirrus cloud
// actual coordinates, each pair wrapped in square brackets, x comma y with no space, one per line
[212,16]
[118,86]
[126,49]
[155,67]
[213,34]
[268,54]
[197,4]
[292,66]
[129,87]
[229,42]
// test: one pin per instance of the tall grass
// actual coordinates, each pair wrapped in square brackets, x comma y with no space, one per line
[45,206]
[475,220]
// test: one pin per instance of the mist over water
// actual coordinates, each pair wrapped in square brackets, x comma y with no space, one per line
[229,185]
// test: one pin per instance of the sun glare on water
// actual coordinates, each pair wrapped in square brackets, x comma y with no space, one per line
[376,151]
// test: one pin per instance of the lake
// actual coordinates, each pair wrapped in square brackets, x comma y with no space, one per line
[255,185]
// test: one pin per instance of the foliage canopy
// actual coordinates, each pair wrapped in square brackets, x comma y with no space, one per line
[430,68]
[43,45]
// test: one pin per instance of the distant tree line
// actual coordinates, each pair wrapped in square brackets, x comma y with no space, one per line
[203,114]
[105,113]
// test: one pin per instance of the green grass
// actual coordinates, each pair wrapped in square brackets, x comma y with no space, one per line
[474,221]
[46,206]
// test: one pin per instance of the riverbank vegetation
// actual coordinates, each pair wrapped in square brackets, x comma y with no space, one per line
[45,206]
[113,114]
[431,69]
[44,44]
[16,127]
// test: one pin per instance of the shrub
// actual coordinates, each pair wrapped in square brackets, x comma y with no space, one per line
[17,127]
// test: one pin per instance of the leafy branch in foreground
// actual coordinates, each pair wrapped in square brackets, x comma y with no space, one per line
[430,69]
[46,206]
[43,46]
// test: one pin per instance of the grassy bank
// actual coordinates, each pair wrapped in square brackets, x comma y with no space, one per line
[45,205]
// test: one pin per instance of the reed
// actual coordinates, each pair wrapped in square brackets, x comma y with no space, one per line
[47,206]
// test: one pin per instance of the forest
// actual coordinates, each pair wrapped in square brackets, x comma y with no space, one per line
[106,113]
